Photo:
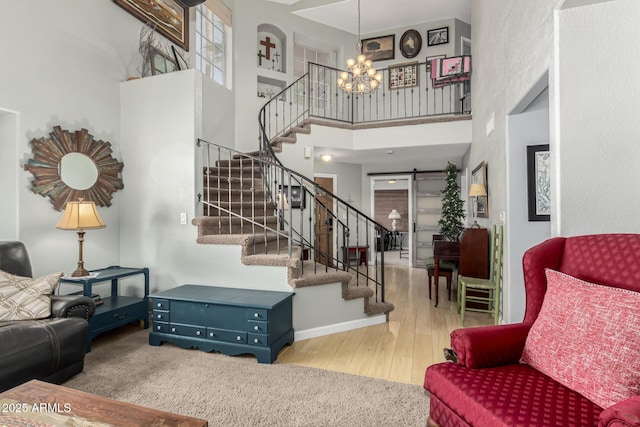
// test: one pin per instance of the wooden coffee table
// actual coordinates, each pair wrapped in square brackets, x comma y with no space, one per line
[50,401]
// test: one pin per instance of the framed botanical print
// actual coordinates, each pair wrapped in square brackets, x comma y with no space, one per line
[539,182]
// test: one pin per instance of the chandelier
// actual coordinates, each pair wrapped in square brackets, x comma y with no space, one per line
[361,77]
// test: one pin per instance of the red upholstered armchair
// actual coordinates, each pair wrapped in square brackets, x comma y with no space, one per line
[488,386]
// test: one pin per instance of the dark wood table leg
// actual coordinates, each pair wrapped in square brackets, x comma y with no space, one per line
[436,276]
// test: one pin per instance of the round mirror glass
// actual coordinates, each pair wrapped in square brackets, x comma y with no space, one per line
[78,171]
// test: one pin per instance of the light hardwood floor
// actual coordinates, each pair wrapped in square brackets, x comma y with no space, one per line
[399,350]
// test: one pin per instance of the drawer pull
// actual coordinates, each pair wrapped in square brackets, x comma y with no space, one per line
[238,338]
[198,333]
[120,316]
[256,328]
[158,327]
[159,305]
[159,316]
[256,340]
[256,315]
[173,329]
[211,334]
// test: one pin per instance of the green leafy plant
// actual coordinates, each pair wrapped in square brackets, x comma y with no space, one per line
[451,221]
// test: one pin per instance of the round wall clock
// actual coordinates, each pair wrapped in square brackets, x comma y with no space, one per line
[410,43]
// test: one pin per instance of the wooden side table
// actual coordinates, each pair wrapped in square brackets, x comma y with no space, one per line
[116,310]
[354,253]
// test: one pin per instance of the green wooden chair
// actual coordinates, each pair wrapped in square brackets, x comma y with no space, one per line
[487,290]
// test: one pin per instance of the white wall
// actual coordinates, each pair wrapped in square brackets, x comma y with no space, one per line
[63,63]
[598,128]
[530,127]
[8,175]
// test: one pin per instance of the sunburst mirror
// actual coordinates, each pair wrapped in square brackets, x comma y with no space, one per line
[67,166]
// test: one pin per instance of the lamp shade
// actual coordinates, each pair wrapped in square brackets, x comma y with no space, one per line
[80,215]
[477,190]
[394,215]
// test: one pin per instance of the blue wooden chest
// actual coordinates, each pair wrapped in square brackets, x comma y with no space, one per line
[231,321]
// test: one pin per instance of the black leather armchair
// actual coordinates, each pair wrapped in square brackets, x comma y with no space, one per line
[50,349]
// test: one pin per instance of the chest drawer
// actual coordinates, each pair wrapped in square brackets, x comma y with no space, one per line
[239,337]
[161,327]
[187,330]
[161,316]
[259,339]
[258,327]
[257,314]
[160,304]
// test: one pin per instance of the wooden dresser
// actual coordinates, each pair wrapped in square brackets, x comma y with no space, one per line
[231,321]
[474,253]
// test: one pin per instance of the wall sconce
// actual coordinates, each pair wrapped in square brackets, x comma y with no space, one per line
[79,216]
[326,157]
[475,191]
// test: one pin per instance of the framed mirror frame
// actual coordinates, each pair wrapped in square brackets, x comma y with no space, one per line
[45,167]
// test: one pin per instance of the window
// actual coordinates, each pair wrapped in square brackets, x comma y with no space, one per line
[212,31]
[318,83]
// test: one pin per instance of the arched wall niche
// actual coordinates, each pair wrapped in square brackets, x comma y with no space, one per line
[272,48]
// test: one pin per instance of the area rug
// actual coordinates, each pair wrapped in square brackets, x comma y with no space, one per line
[238,391]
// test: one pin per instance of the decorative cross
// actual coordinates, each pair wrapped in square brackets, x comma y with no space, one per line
[268,45]
[277,55]
[260,56]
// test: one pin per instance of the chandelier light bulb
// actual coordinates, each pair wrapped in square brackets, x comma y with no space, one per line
[378,77]
[373,84]
[368,63]
[344,75]
[348,86]
[361,59]
[361,87]
[356,71]
[350,62]
[371,72]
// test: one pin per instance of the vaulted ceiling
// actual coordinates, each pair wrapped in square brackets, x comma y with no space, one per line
[378,15]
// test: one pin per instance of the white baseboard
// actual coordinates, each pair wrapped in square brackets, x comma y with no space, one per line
[339,327]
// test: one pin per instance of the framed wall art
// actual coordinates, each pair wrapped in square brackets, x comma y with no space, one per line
[379,48]
[479,176]
[410,43]
[539,182]
[438,36]
[297,199]
[431,58]
[170,17]
[403,75]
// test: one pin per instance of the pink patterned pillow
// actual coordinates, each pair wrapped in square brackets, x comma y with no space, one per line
[587,337]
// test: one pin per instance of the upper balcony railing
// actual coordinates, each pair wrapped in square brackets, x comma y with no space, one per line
[406,92]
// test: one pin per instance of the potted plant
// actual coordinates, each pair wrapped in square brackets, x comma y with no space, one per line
[451,221]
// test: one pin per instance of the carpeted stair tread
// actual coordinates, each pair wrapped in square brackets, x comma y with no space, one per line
[313,275]
[301,129]
[287,139]
[373,308]
[245,240]
[233,171]
[275,260]
[350,292]
[235,194]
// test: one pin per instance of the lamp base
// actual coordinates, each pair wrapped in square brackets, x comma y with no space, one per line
[80,271]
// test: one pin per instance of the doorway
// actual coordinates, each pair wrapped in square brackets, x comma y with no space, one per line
[393,194]
[323,229]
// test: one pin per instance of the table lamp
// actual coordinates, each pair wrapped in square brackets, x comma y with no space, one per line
[475,191]
[79,216]
[394,215]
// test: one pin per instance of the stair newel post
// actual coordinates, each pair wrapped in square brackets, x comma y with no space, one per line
[312,249]
[326,232]
[229,192]
[241,192]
